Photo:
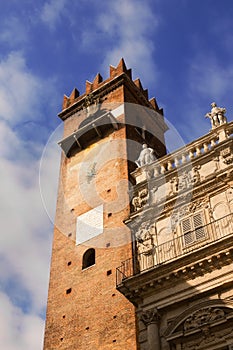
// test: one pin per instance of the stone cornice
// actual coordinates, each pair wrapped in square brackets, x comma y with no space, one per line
[188,267]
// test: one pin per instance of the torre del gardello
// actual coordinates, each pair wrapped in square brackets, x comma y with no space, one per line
[142,255]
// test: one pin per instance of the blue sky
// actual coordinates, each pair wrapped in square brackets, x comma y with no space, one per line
[182,50]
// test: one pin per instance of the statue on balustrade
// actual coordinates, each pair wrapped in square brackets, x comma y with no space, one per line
[146,156]
[216,115]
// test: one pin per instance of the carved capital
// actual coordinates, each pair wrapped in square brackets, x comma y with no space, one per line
[150,316]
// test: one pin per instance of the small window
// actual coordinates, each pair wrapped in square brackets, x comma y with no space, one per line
[88,258]
[193,229]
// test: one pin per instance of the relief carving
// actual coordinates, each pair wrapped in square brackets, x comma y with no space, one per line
[196,178]
[199,204]
[208,338]
[140,199]
[153,195]
[183,181]
[91,103]
[145,238]
[174,186]
[145,245]
[202,317]
[226,155]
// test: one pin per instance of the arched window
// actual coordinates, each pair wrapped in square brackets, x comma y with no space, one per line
[88,258]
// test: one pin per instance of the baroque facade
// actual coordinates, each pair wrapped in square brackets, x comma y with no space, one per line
[167,235]
[181,275]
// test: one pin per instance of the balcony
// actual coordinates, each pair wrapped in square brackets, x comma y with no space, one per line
[189,154]
[179,247]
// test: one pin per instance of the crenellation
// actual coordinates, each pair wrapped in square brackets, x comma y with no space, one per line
[94,91]
[89,87]
[98,79]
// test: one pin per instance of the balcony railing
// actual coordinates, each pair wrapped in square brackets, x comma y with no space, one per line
[175,248]
[185,155]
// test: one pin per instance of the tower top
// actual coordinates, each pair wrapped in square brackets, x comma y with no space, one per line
[97,89]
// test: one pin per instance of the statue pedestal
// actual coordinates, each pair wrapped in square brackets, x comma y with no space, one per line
[222,136]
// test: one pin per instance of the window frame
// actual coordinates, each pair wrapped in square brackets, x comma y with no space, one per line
[193,229]
[89,258]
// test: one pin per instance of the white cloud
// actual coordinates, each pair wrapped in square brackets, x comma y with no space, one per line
[20,91]
[9,27]
[209,77]
[26,232]
[129,24]
[208,80]
[51,12]
[19,331]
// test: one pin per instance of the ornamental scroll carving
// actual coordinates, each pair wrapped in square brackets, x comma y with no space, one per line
[185,180]
[179,213]
[226,155]
[140,199]
[150,316]
[202,317]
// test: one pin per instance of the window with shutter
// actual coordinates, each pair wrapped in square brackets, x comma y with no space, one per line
[187,230]
[199,226]
[193,228]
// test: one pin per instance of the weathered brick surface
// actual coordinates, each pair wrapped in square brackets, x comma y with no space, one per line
[94,315]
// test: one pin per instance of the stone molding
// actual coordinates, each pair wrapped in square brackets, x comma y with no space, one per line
[167,275]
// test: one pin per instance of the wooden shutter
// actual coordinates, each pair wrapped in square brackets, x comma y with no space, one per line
[193,228]
[198,224]
[186,225]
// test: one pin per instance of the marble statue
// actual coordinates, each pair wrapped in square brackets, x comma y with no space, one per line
[146,156]
[216,115]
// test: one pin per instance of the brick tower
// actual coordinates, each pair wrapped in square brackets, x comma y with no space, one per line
[104,129]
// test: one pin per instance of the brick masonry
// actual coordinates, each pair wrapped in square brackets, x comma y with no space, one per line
[84,310]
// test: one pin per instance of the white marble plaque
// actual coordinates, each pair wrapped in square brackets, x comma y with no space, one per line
[89,225]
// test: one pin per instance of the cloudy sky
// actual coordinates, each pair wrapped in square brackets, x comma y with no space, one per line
[181,49]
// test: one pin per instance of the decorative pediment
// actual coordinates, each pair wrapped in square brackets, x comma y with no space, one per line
[200,317]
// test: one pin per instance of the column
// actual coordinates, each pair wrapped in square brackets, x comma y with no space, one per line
[150,318]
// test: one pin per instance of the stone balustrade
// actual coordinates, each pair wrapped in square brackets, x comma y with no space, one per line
[184,155]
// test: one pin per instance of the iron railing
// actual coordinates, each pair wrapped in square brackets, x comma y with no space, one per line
[175,248]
